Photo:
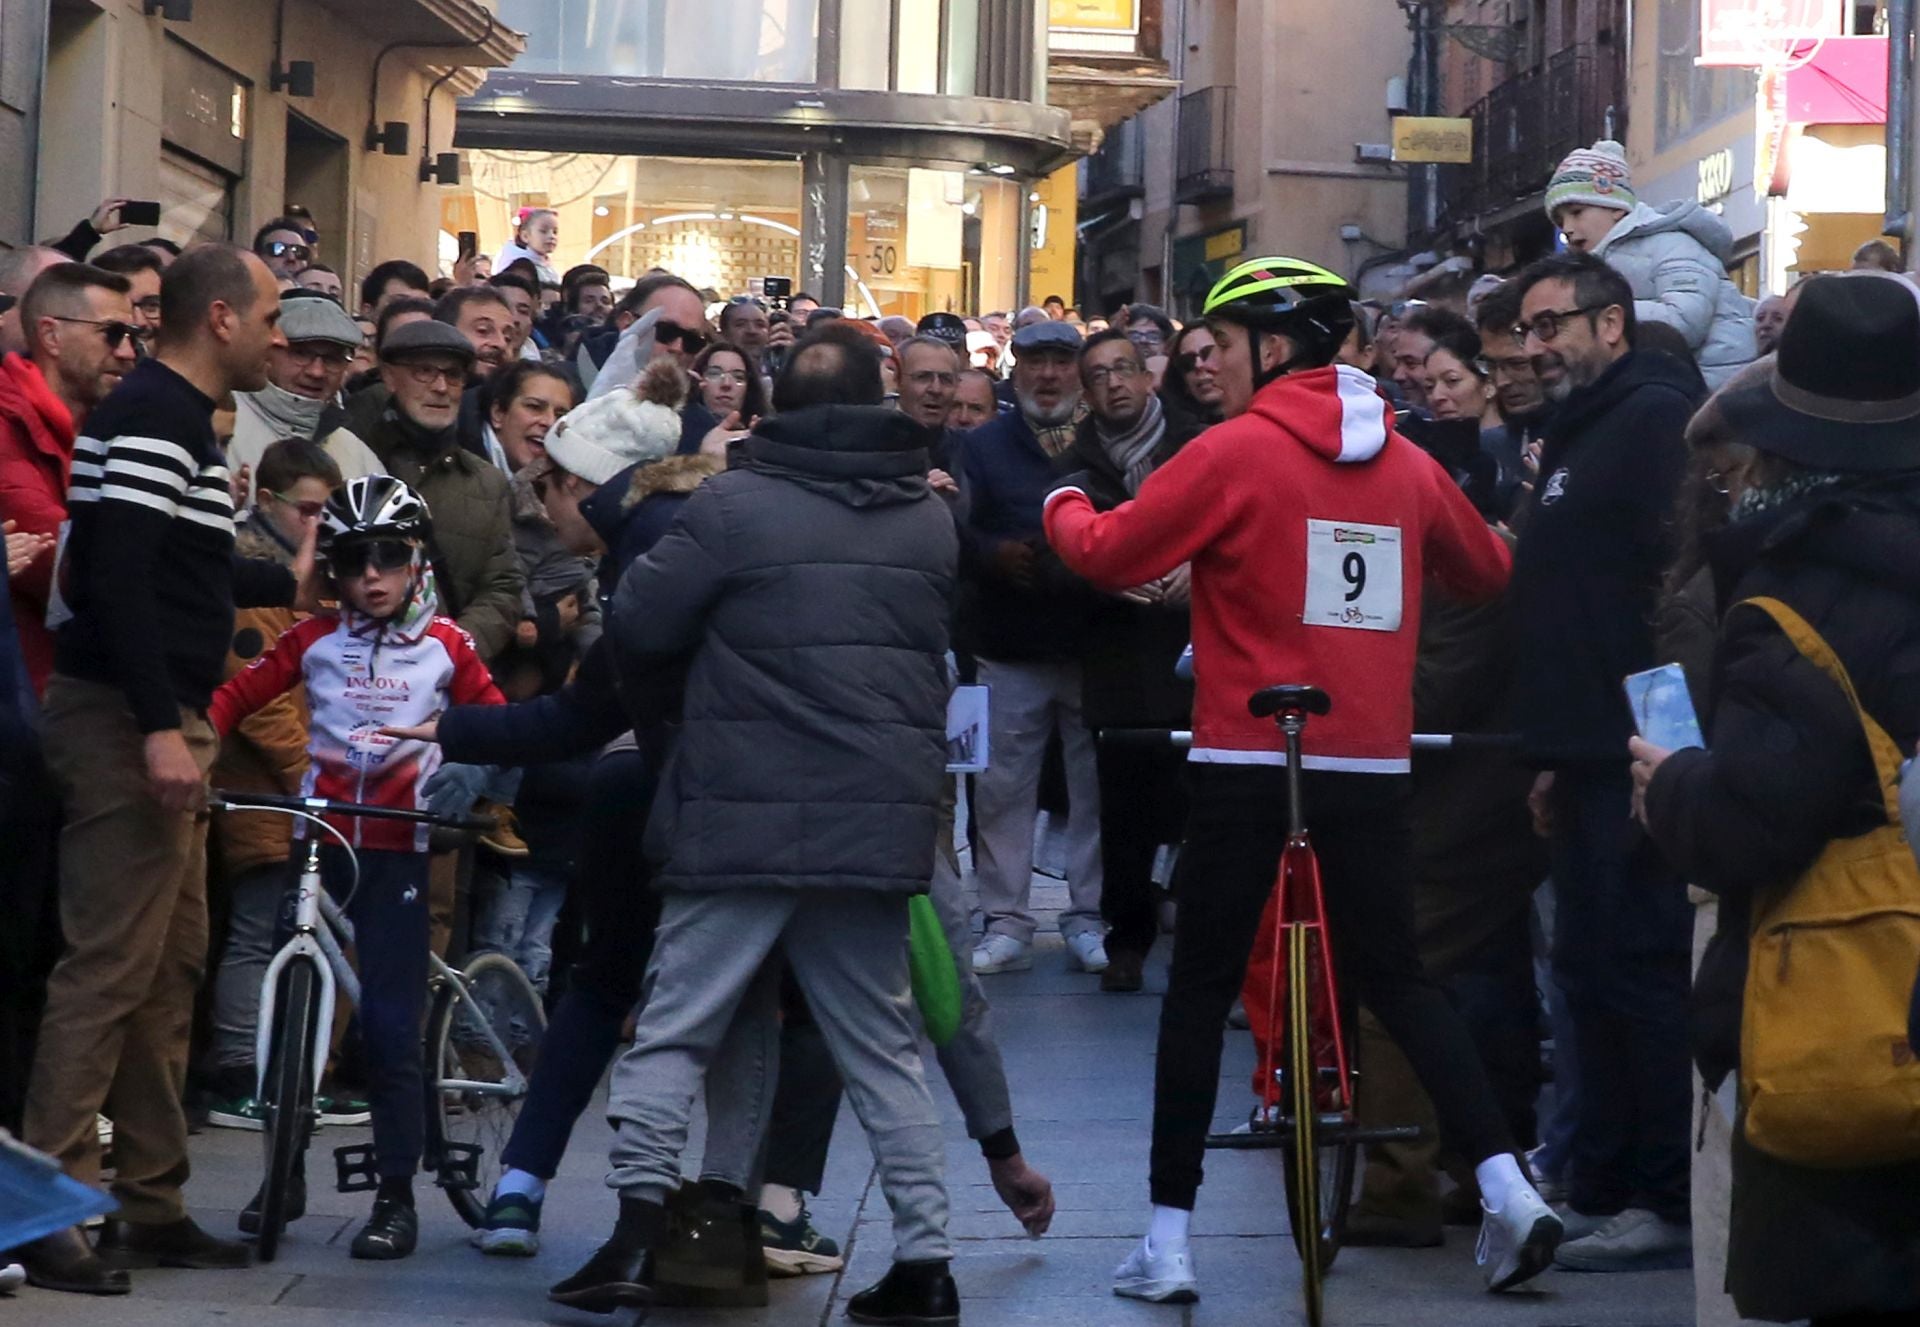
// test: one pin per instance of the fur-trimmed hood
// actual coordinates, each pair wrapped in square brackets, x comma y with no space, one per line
[623,518]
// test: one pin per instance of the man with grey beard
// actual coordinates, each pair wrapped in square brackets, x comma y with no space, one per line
[1025,617]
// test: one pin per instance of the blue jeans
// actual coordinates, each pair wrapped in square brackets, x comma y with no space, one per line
[519,919]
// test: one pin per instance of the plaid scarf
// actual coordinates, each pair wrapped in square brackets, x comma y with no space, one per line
[1132,448]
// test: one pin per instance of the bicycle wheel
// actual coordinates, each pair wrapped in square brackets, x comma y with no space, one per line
[468,1126]
[1319,1169]
[288,1105]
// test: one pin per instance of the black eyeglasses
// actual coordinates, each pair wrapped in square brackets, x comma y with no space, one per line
[286,249]
[1547,325]
[350,560]
[691,341]
[112,329]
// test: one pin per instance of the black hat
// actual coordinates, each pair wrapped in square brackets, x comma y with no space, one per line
[948,327]
[429,336]
[1844,394]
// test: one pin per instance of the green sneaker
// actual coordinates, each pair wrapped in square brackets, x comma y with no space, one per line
[795,1248]
[511,1228]
[238,1113]
[343,1111]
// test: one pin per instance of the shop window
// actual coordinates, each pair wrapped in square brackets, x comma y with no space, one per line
[739,41]
[921,241]
[196,200]
[717,223]
[1690,98]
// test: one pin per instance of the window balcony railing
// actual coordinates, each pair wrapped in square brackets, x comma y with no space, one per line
[1204,154]
[1525,126]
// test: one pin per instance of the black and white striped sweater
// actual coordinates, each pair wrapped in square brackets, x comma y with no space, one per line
[150,571]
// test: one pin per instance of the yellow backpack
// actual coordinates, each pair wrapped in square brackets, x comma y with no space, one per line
[1828,1076]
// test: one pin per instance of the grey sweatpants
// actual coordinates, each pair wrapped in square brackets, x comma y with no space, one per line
[712,1001]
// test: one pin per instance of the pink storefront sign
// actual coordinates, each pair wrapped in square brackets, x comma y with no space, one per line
[1752,33]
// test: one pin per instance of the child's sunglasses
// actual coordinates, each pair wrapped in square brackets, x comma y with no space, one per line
[351,560]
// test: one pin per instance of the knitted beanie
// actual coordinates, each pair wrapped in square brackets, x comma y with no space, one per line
[1596,176]
[606,435]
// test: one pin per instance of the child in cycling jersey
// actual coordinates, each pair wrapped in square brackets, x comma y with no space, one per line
[383,658]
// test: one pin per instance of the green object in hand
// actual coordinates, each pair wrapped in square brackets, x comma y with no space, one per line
[936,982]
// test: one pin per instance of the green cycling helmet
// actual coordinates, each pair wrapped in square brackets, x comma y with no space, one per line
[1297,299]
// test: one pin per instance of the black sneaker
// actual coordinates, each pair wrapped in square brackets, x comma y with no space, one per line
[391,1232]
[912,1294]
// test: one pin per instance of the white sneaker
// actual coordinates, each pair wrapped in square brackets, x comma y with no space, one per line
[1001,953]
[1089,950]
[1162,1276]
[1634,1241]
[1517,1242]
[12,1277]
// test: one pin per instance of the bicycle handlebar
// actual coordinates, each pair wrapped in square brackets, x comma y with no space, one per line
[1178,737]
[222,800]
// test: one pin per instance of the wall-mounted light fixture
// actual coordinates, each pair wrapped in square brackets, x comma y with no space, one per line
[441,169]
[296,78]
[391,139]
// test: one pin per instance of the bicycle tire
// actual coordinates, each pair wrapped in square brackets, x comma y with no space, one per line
[289,1102]
[1318,1170]
[456,1049]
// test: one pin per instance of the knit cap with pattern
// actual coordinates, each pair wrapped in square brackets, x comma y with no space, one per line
[1596,176]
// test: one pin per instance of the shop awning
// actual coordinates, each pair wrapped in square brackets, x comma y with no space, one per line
[468,30]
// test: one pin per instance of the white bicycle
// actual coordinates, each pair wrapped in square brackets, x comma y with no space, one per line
[483,1034]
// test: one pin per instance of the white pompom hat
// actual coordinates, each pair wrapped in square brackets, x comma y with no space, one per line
[606,435]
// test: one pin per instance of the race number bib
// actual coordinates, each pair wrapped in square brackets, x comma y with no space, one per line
[1353,576]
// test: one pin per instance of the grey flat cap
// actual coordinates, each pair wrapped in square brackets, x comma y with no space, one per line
[306,317]
[426,337]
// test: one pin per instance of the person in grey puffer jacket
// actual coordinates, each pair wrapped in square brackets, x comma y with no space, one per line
[1674,256]
[811,585]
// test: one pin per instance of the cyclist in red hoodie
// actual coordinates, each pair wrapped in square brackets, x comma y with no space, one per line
[1310,527]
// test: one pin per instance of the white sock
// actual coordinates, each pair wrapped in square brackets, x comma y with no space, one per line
[1168,1227]
[1499,1177]
[521,1181]
[779,1201]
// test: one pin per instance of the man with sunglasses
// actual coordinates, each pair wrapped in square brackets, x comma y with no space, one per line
[78,326]
[1596,542]
[283,246]
[679,323]
[302,395]
[424,366]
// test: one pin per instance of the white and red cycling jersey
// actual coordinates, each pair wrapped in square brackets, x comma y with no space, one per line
[361,676]
[1310,526]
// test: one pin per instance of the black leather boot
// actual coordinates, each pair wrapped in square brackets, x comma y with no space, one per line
[617,1276]
[296,1205]
[65,1261]
[913,1294]
[711,1258]
[178,1243]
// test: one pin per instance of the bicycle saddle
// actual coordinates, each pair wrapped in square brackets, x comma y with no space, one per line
[1270,701]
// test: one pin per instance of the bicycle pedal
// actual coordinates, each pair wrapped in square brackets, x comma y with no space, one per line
[354,1168]
[459,1166]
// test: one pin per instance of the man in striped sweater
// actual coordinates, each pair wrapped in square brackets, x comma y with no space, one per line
[152,579]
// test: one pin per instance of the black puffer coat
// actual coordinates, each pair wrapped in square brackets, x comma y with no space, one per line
[813,582]
[1786,772]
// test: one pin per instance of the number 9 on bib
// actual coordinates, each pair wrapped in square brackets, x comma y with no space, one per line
[1353,576]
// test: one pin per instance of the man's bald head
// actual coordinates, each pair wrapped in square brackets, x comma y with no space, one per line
[18,268]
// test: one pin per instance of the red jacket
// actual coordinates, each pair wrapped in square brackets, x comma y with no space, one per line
[36,450]
[1310,526]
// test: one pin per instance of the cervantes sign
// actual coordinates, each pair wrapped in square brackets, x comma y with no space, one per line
[1752,33]
[1432,138]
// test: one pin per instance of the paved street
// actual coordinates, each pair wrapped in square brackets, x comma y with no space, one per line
[1081,1067]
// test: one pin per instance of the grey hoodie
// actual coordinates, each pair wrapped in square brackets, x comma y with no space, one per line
[1675,258]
